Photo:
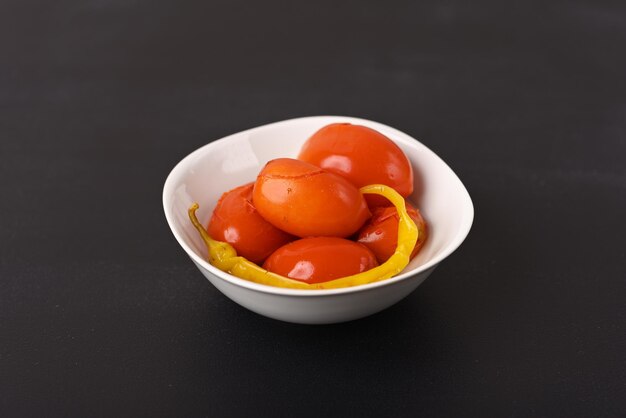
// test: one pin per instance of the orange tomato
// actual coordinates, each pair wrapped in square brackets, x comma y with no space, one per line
[236,221]
[320,259]
[380,234]
[362,155]
[306,201]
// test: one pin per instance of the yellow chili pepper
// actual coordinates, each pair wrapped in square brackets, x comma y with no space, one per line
[223,256]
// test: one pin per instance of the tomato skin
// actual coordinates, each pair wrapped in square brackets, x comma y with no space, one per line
[236,221]
[380,234]
[306,201]
[320,259]
[362,155]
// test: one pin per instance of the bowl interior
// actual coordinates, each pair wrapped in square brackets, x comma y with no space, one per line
[208,172]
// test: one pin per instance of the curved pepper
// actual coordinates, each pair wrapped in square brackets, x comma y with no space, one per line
[223,256]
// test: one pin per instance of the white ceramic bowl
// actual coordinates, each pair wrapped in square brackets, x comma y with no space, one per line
[226,163]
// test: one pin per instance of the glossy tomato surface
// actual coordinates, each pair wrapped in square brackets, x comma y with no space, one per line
[236,221]
[380,234]
[362,155]
[306,201]
[320,259]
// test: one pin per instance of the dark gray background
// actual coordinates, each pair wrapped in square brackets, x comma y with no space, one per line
[101,312]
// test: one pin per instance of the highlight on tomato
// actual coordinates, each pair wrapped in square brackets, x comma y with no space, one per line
[306,201]
[236,221]
[362,155]
[320,259]
[380,233]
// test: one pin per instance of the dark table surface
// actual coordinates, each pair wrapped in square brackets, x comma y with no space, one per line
[102,313]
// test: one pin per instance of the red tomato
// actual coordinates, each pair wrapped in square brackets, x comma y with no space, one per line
[320,259]
[362,155]
[236,221]
[380,234]
[305,200]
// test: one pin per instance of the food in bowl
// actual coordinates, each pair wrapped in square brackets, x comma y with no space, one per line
[305,200]
[205,174]
[320,203]
[362,155]
[235,220]
[311,259]
[380,233]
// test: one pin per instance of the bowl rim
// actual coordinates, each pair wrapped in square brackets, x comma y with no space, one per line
[464,228]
